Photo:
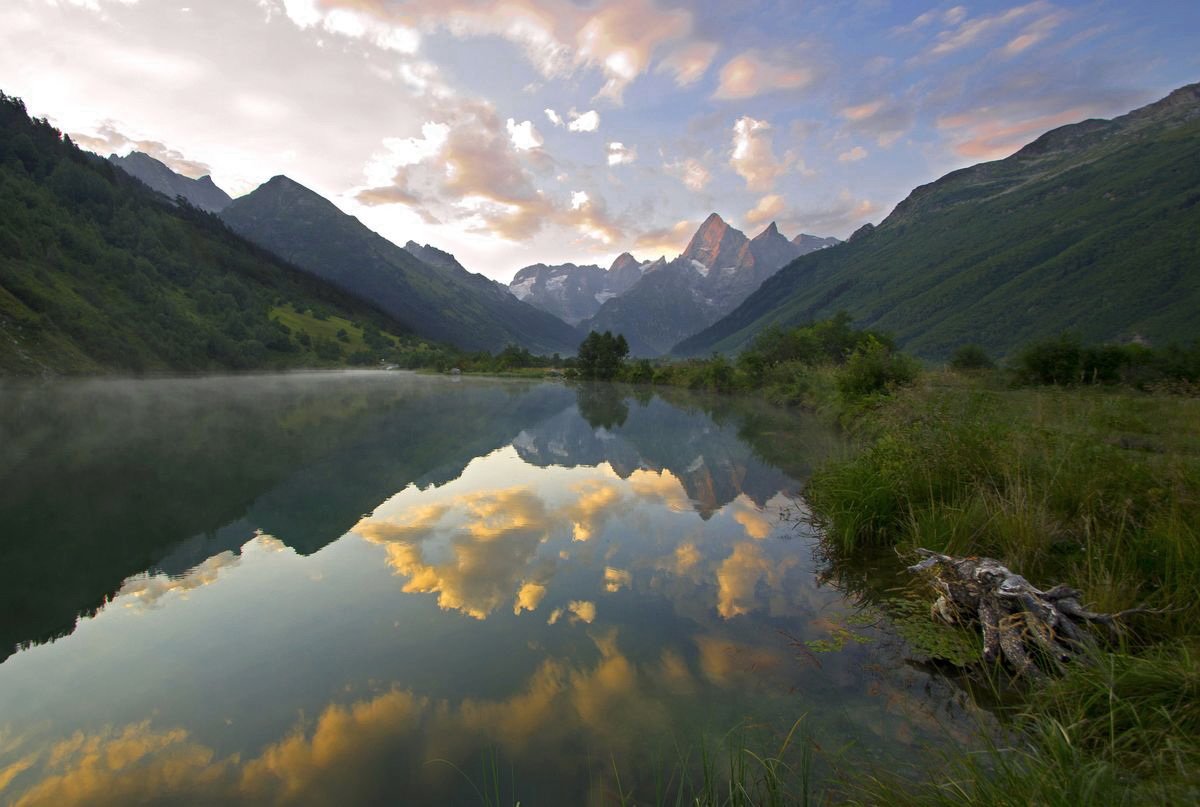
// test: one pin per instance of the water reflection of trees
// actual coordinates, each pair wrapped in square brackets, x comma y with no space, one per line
[602,405]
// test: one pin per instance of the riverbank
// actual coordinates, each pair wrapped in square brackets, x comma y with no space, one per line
[1096,488]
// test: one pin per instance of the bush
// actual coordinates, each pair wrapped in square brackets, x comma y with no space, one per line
[874,368]
[971,357]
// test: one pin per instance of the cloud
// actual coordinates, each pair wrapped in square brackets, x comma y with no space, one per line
[553,117]
[583,610]
[523,135]
[768,208]
[620,154]
[691,172]
[107,139]
[584,121]
[490,553]
[556,36]
[885,119]
[753,520]
[840,215]
[399,152]
[739,576]
[755,73]
[955,15]
[853,155]
[970,31]
[666,240]
[1033,34]
[472,169]
[984,135]
[689,63]
[616,579]
[753,157]
[596,500]
[529,597]
[921,21]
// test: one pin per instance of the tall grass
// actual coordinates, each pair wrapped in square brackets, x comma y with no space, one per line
[1099,489]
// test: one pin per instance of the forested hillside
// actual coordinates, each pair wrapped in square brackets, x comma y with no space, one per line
[99,273]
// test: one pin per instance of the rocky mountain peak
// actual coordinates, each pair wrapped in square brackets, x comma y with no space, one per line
[771,231]
[624,262]
[715,244]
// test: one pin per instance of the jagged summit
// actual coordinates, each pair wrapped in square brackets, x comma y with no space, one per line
[715,245]
[770,231]
[202,193]
[623,262]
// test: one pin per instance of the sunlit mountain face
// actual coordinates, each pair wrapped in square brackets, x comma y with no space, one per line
[554,131]
[398,589]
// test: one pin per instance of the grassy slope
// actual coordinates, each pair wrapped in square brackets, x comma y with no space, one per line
[1095,229]
[99,273]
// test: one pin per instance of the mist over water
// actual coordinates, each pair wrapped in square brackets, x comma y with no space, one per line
[314,587]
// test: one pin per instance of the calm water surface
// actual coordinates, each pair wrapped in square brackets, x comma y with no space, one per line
[378,588]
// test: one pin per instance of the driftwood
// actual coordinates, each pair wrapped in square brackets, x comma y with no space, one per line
[1021,624]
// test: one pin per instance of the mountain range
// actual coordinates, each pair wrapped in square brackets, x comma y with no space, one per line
[201,193]
[439,300]
[1093,228]
[572,292]
[657,303]
[99,273]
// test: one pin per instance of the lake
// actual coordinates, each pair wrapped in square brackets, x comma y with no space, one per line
[391,588]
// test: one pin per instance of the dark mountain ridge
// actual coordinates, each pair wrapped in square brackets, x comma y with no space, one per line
[202,193]
[100,273]
[443,301]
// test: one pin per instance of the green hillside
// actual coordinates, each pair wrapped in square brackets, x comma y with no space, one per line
[1093,228]
[99,273]
[444,302]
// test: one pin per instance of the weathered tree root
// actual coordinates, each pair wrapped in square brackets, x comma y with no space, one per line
[1021,624]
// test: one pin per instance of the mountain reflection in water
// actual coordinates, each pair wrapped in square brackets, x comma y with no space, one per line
[308,589]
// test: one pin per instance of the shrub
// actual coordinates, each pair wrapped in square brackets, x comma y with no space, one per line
[873,368]
[971,357]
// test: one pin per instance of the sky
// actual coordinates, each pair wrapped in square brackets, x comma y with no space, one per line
[521,131]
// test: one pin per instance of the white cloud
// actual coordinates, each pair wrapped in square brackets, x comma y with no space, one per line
[620,154]
[753,157]
[691,172]
[554,117]
[399,152]
[579,199]
[523,135]
[584,122]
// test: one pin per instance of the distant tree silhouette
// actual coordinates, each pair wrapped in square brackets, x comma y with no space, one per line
[601,355]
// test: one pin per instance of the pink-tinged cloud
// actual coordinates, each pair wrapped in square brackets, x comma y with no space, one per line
[690,62]
[621,38]
[108,139]
[755,73]
[885,119]
[768,208]
[981,135]
[1033,34]
[974,30]
[670,240]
